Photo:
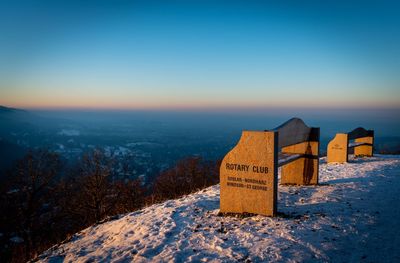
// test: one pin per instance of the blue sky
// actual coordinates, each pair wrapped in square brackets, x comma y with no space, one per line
[199,54]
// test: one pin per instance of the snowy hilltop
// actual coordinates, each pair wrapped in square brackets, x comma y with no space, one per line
[351,216]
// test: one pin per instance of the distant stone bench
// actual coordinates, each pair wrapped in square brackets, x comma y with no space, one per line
[360,139]
[249,172]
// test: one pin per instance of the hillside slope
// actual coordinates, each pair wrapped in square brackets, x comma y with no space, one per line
[352,216]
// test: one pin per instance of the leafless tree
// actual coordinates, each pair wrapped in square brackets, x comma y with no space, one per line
[131,195]
[93,195]
[29,199]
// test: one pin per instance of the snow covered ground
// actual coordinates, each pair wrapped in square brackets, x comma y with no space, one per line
[353,216]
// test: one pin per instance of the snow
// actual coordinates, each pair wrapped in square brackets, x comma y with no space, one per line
[351,216]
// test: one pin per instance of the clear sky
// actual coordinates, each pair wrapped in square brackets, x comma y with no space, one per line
[199,54]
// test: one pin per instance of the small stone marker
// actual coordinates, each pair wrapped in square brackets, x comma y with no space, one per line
[248,175]
[338,149]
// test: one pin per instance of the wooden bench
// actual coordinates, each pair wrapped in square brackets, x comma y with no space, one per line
[360,139]
[298,147]
[249,172]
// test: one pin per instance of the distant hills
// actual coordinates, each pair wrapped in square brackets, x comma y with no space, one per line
[13,114]
[4,109]
[11,120]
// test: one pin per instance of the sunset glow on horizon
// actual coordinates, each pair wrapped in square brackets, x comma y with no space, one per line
[103,104]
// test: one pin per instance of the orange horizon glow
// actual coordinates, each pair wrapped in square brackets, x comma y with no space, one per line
[149,99]
[198,106]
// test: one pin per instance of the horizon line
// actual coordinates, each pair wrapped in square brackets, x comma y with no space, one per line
[204,108]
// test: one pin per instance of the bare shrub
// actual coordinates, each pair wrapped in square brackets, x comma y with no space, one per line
[189,175]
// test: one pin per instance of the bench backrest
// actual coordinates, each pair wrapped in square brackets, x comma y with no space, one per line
[360,132]
[295,131]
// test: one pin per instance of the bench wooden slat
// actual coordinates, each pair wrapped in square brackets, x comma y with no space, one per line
[355,144]
[285,158]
